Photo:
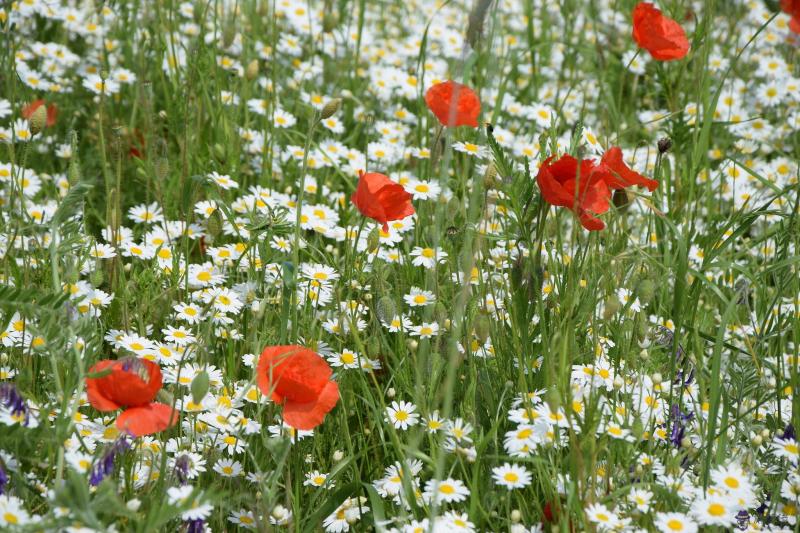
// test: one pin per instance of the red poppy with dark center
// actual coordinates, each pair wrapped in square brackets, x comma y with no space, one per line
[658,34]
[130,384]
[381,199]
[453,104]
[585,186]
[299,379]
[52,111]
[792,7]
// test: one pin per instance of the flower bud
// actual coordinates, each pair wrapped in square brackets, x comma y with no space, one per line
[199,387]
[373,240]
[386,309]
[331,108]
[482,327]
[664,145]
[490,176]
[338,455]
[516,516]
[38,119]
[657,378]
[390,393]
[251,72]
[757,441]
[329,22]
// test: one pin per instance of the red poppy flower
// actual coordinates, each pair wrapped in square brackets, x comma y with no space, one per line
[130,384]
[660,35]
[381,199]
[52,111]
[300,379]
[792,7]
[579,186]
[453,104]
[622,176]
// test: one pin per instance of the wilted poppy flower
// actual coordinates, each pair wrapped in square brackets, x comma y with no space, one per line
[130,384]
[577,185]
[453,104]
[792,7]
[585,186]
[52,111]
[381,199]
[658,34]
[621,176]
[299,379]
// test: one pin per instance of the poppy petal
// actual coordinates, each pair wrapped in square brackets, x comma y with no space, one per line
[147,419]
[309,415]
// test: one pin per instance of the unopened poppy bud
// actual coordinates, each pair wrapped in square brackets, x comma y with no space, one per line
[331,108]
[373,240]
[622,199]
[664,144]
[199,387]
[329,22]
[611,307]
[646,290]
[637,428]
[387,310]
[490,175]
[162,168]
[38,119]
[251,72]
[219,152]
[373,346]
[96,277]
[482,327]
[165,397]
[214,224]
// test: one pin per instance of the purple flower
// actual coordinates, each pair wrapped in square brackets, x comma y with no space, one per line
[195,526]
[105,466]
[3,480]
[11,399]
[678,420]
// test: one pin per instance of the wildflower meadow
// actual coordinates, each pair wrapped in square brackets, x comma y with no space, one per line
[399,266]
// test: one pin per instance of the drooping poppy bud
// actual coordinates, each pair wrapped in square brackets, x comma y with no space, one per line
[381,199]
[453,104]
[658,34]
[299,379]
